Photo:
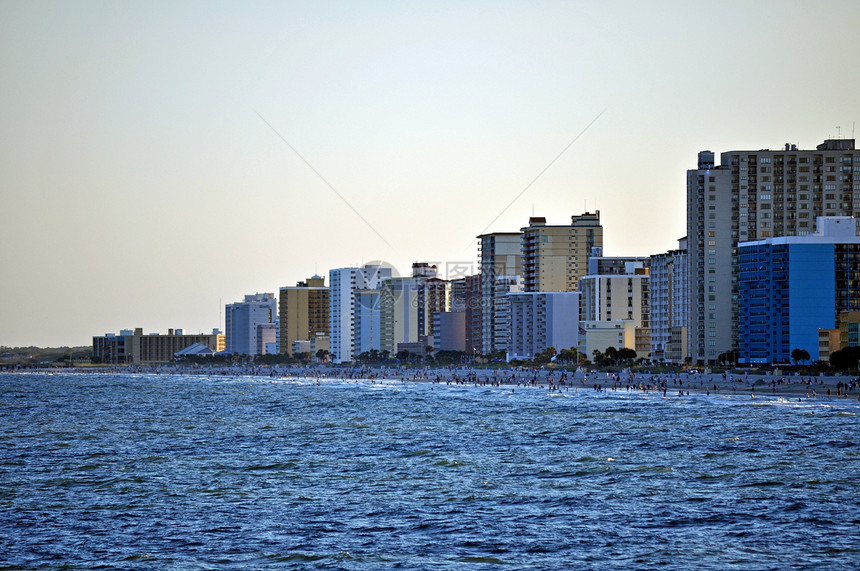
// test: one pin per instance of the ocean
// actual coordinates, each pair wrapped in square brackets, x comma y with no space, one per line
[171,471]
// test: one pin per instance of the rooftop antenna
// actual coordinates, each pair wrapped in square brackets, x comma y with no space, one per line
[838,132]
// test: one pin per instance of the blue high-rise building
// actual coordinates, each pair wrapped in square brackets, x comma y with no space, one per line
[790,287]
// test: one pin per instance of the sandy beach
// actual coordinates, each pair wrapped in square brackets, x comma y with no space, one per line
[672,384]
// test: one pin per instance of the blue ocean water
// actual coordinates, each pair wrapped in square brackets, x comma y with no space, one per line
[125,471]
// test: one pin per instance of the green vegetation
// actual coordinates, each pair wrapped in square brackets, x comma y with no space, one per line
[614,357]
[44,355]
[847,359]
[800,355]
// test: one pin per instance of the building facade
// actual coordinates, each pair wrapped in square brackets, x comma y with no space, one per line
[601,335]
[432,298]
[554,258]
[792,287]
[134,347]
[669,291]
[400,312]
[754,195]
[617,297]
[367,322]
[500,275]
[303,312]
[242,319]
[449,331]
[344,283]
[540,320]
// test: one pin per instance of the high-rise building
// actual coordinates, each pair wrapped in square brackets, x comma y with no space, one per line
[613,297]
[540,320]
[754,195]
[449,331]
[465,297]
[554,258]
[242,319]
[432,298]
[669,291]
[303,312]
[344,283]
[267,338]
[599,265]
[400,312]
[500,274]
[366,322]
[790,287]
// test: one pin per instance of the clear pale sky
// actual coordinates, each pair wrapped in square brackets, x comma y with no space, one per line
[140,188]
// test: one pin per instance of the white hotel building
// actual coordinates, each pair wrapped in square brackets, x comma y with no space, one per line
[344,283]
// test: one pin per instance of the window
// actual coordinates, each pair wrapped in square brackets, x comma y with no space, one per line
[764,160]
[764,197]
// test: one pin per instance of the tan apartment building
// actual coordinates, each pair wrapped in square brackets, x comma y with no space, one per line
[304,312]
[554,258]
[136,348]
[500,274]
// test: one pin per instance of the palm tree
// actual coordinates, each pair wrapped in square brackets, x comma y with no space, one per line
[799,355]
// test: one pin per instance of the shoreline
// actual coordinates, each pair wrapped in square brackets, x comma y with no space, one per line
[673,384]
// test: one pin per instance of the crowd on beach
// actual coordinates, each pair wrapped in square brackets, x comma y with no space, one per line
[552,379]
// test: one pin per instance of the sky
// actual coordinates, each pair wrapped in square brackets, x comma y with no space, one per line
[161,159]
